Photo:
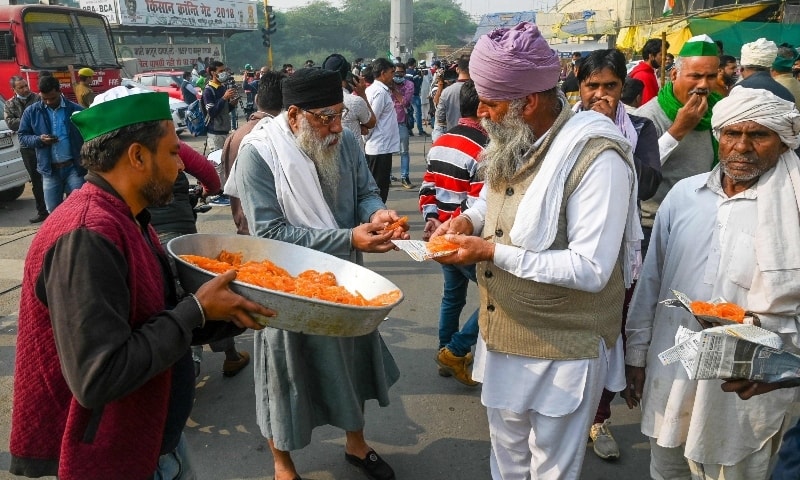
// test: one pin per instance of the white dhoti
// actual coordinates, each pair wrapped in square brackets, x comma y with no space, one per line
[540,411]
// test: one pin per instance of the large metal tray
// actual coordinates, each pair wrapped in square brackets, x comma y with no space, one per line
[295,313]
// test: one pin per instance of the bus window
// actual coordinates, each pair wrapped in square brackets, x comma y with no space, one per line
[57,39]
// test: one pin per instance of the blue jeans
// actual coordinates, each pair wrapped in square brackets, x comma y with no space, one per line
[454,297]
[176,465]
[404,158]
[416,101]
[60,181]
[788,466]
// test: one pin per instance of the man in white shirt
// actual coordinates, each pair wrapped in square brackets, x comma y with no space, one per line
[384,139]
[731,234]
[551,273]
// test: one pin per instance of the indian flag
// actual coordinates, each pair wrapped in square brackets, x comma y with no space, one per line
[668,6]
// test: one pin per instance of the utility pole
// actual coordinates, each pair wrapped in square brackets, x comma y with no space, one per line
[270,27]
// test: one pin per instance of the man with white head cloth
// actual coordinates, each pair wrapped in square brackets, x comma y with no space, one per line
[730,233]
[556,235]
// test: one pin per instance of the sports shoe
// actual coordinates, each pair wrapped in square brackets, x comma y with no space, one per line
[603,442]
[393,178]
[220,201]
[232,367]
[456,366]
[407,183]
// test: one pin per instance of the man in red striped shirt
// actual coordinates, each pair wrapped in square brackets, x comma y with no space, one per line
[451,184]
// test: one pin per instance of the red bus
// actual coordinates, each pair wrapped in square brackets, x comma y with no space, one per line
[37,38]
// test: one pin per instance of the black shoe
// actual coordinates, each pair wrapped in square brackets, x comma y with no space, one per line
[407,183]
[373,466]
[410,133]
[393,178]
[38,218]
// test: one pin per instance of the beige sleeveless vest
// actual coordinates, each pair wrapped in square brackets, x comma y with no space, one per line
[540,320]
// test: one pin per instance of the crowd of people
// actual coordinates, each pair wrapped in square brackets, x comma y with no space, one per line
[576,204]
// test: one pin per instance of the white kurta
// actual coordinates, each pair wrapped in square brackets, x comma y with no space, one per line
[703,245]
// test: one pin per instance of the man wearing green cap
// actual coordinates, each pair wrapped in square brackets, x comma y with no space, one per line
[103,380]
[782,70]
[682,115]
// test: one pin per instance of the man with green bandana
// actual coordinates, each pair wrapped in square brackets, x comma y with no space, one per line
[682,115]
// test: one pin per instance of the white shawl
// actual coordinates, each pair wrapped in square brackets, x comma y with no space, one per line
[536,222]
[297,184]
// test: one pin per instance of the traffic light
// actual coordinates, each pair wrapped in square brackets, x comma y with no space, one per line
[265,37]
[272,25]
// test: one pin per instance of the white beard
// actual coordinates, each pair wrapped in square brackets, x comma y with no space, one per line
[509,141]
[320,151]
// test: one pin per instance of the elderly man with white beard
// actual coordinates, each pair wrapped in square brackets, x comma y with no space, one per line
[556,232]
[731,233]
[304,180]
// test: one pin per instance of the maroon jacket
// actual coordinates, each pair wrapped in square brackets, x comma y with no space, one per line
[94,350]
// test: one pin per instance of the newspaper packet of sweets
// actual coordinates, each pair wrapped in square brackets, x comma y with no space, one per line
[418,250]
[682,300]
[733,351]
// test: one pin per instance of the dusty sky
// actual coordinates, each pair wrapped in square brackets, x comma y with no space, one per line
[473,7]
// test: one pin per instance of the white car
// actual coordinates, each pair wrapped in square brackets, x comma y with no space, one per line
[13,175]
[177,107]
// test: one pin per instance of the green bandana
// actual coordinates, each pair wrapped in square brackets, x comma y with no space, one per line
[784,65]
[671,105]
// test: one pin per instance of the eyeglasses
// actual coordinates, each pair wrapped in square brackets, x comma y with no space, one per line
[327,118]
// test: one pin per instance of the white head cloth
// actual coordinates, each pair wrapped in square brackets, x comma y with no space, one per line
[760,53]
[760,106]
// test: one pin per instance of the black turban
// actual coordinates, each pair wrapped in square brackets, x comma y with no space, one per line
[311,88]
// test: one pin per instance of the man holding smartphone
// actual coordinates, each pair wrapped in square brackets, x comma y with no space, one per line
[46,127]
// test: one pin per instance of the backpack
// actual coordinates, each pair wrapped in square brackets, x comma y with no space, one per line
[196,119]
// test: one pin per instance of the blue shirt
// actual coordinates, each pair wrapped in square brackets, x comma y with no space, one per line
[59,128]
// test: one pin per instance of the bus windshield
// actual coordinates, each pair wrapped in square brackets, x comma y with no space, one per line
[58,39]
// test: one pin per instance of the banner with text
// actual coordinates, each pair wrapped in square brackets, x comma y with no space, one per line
[108,8]
[169,57]
[207,14]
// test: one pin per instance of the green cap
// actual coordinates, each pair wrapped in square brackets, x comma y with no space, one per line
[783,64]
[699,46]
[120,107]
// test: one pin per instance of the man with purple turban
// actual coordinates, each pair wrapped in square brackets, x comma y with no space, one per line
[556,235]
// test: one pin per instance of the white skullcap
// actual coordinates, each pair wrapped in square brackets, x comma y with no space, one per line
[760,53]
[760,106]
[118,92]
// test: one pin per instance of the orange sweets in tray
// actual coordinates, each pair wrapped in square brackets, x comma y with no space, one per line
[441,246]
[310,283]
[726,310]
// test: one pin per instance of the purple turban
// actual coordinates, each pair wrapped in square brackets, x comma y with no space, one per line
[507,64]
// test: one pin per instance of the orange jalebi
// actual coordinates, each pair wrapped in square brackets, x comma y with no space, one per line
[439,245]
[401,223]
[703,308]
[310,283]
[728,311]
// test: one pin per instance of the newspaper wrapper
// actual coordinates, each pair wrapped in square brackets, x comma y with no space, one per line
[418,250]
[682,300]
[733,352]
